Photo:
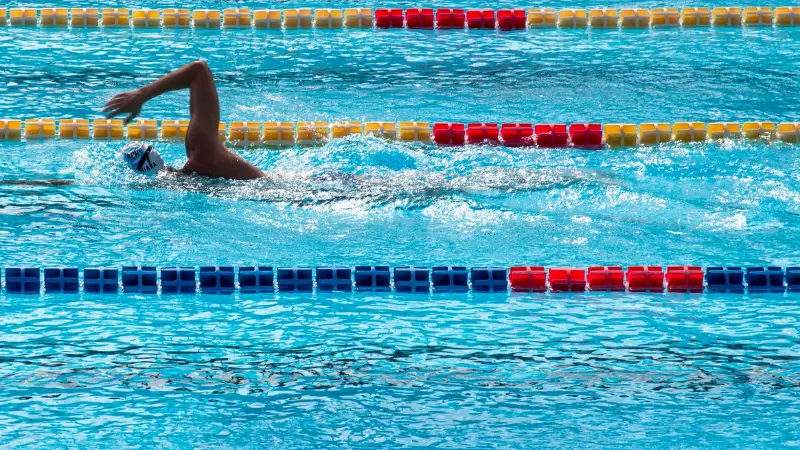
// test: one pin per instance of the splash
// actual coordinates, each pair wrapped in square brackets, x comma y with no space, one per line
[363,169]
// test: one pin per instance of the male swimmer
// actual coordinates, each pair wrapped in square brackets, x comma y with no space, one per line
[207,156]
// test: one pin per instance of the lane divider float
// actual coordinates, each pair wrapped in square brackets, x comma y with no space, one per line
[410,279]
[589,136]
[411,18]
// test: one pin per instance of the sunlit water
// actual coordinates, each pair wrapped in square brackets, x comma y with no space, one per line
[469,371]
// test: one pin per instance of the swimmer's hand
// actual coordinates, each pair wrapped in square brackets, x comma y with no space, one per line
[130,102]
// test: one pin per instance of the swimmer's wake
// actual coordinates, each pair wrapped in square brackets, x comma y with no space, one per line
[409,188]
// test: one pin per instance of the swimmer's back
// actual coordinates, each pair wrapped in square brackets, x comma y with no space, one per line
[210,158]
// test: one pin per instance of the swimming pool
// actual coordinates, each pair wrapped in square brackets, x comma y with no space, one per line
[445,370]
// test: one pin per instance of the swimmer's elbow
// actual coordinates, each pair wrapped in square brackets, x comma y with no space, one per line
[200,68]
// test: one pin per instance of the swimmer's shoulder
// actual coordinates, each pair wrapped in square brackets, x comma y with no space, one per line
[225,165]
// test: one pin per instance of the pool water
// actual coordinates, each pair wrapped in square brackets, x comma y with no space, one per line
[445,370]
[355,371]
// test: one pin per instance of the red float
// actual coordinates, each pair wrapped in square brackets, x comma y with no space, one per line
[480,133]
[645,279]
[389,18]
[551,135]
[419,18]
[480,19]
[685,279]
[588,136]
[511,19]
[517,134]
[448,133]
[567,280]
[606,278]
[528,278]
[450,19]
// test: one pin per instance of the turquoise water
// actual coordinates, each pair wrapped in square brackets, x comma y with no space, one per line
[365,372]
[359,371]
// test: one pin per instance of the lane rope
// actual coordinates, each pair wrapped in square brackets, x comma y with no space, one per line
[411,18]
[286,134]
[411,279]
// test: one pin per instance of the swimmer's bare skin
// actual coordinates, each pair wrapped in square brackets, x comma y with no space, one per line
[207,155]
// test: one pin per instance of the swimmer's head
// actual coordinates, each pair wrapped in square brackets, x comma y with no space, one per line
[142,158]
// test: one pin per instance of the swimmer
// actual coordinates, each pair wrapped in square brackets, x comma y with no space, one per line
[207,156]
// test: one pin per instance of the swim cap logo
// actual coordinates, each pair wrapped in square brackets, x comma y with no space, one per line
[143,158]
[132,155]
[145,165]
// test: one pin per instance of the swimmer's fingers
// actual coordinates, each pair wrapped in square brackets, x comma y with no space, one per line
[111,105]
[131,116]
[114,113]
[115,101]
[125,103]
[117,110]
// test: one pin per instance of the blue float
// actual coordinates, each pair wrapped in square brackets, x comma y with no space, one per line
[765,279]
[450,279]
[373,278]
[62,279]
[23,280]
[141,279]
[489,279]
[407,279]
[101,280]
[725,279]
[793,278]
[334,279]
[178,280]
[412,279]
[295,279]
[217,280]
[253,280]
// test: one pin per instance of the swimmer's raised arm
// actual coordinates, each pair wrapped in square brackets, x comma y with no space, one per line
[131,102]
[207,156]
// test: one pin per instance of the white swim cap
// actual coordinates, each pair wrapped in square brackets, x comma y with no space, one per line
[142,158]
